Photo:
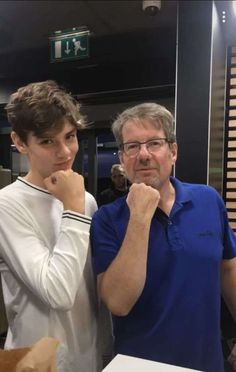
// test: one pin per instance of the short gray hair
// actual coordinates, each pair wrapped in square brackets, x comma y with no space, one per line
[158,114]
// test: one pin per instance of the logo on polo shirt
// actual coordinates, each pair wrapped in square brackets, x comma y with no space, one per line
[206,233]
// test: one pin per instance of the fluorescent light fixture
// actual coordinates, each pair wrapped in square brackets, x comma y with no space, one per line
[234,7]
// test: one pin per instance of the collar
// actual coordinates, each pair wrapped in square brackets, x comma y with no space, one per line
[22,180]
[183,194]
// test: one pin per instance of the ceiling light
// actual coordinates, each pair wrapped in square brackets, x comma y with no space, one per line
[234,7]
[223,16]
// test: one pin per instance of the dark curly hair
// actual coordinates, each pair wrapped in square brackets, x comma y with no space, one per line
[41,107]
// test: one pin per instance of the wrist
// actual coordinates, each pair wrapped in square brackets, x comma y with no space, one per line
[75,207]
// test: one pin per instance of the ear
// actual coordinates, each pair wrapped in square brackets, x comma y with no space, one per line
[20,145]
[174,151]
[120,154]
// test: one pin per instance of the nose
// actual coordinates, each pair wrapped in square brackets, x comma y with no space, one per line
[63,150]
[143,152]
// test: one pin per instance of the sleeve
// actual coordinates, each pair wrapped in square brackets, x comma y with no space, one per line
[90,204]
[105,240]
[53,276]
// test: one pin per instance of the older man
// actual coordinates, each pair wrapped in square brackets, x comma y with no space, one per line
[162,254]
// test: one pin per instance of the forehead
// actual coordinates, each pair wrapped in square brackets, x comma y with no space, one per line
[141,126]
[65,127]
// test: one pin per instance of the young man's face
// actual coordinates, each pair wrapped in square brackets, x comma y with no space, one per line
[50,153]
[154,168]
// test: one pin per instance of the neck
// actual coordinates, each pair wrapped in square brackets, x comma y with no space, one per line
[167,198]
[35,179]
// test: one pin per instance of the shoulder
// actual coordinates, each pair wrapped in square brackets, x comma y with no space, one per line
[201,188]
[10,192]
[13,201]
[195,187]
[204,190]
[112,210]
[197,192]
[110,222]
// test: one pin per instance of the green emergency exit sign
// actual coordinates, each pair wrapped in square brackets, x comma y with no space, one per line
[69,44]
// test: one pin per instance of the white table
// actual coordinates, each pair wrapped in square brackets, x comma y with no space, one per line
[124,363]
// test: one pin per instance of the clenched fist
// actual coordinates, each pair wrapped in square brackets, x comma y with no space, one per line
[142,201]
[68,187]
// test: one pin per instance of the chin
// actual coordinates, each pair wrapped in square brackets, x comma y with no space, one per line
[147,180]
[155,184]
[63,167]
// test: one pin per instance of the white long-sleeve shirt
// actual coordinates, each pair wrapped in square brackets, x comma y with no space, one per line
[47,278]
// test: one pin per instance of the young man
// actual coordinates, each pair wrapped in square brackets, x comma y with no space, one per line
[118,188]
[47,280]
[159,254]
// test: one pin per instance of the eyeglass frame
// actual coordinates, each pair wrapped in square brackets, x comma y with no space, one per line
[121,146]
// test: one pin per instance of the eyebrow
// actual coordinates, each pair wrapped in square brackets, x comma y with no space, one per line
[150,139]
[52,134]
[72,131]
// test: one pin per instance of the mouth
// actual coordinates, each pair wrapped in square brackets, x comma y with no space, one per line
[64,165]
[145,170]
[145,173]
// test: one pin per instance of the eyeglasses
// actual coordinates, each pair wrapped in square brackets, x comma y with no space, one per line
[131,149]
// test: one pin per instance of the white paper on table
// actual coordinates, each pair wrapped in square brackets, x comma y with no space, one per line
[125,363]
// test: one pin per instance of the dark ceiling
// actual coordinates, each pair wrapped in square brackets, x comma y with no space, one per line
[128,47]
[28,24]
[123,40]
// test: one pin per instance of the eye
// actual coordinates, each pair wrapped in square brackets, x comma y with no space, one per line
[132,146]
[46,141]
[71,136]
[155,143]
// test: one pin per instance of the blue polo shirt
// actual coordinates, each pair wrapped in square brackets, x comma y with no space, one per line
[176,319]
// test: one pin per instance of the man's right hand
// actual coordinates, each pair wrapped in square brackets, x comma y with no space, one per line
[127,272]
[68,187]
[142,201]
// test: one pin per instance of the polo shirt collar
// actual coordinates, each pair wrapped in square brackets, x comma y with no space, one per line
[182,194]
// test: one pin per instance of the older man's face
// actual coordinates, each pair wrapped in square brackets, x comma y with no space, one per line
[151,168]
